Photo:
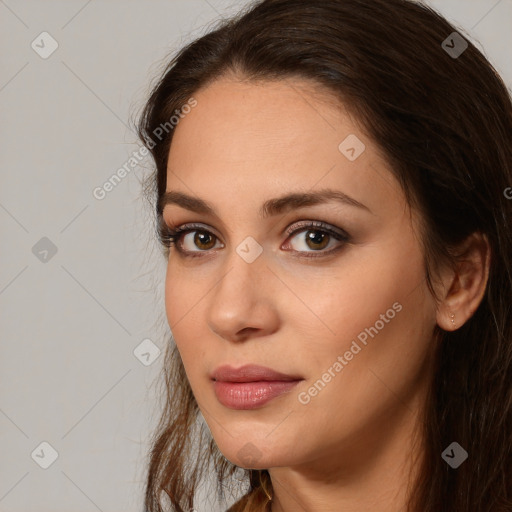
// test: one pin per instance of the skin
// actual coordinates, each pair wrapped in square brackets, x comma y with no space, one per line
[353,446]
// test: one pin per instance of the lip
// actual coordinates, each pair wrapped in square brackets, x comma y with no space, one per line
[250,373]
[250,386]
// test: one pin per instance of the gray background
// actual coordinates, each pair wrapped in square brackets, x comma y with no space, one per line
[70,321]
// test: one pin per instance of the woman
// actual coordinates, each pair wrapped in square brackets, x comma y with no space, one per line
[331,193]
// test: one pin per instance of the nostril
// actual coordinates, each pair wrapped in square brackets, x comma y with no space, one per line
[245,332]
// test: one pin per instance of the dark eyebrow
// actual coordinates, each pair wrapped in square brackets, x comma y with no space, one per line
[269,208]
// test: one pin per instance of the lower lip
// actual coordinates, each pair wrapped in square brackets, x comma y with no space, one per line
[250,395]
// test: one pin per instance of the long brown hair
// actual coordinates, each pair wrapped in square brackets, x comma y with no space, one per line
[444,122]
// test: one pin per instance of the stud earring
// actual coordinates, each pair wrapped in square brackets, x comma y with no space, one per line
[452,316]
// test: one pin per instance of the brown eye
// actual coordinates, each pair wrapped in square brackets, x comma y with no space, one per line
[203,240]
[193,242]
[316,239]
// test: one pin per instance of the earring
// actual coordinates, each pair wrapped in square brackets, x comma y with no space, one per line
[263,486]
[452,316]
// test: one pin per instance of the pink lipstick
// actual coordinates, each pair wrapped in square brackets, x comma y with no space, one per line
[250,386]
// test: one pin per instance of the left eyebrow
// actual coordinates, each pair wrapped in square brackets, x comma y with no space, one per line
[270,208]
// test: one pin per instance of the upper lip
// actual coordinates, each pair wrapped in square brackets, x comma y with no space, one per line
[250,373]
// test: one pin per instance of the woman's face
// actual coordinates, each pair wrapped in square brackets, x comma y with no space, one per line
[341,307]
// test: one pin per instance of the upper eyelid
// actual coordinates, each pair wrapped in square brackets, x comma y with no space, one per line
[295,226]
[315,224]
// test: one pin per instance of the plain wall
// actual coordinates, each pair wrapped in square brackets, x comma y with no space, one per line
[70,321]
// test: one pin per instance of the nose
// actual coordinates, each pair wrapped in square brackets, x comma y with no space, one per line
[243,304]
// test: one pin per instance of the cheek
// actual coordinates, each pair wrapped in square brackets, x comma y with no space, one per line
[383,363]
[181,305]
[185,289]
[173,290]
[380,317]
[346,299]
[373,305]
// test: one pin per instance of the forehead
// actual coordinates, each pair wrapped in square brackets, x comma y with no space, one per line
[230,109]
[263,138]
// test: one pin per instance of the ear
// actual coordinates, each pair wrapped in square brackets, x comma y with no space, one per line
[464,288]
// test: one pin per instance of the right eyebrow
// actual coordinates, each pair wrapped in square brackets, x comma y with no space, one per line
[269,208]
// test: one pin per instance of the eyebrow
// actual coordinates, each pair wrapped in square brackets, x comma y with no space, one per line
[270,208]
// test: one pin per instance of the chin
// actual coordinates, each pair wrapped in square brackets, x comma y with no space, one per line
[254,453]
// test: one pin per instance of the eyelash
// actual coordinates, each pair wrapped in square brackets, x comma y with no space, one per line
[169,237]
